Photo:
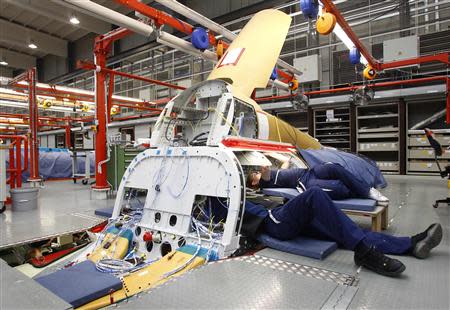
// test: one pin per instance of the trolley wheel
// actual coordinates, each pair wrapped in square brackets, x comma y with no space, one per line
[435,205]
[84,181]
[74,180]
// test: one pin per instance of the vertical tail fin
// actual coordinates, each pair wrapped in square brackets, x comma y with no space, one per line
[250,59]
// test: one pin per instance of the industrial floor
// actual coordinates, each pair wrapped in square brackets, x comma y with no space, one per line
[272,279]
[64,207]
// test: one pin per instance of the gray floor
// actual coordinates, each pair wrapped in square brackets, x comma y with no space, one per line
[424,285]
[21,292]
[246,283]
[63,207]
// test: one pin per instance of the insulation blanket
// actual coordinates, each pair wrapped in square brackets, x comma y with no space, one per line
[357,164]
[56,164]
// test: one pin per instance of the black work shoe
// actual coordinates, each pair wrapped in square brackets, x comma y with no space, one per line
[376,261]
[433,238]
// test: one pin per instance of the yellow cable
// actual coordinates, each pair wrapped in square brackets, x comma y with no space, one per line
[226,121]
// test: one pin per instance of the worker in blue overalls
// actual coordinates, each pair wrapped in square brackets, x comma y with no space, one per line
[337,181]
[313,213]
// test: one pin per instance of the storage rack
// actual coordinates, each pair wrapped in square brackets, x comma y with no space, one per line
[333,132]
[421,158]
[78,140]
[378,135]
[60,141]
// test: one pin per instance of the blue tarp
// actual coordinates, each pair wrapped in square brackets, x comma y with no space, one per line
[57,163]
[355,163]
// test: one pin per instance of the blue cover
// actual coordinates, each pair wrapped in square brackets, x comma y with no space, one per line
[357,164]
[318,249]
[106,212]
[57,163]
[349,204]
[287,193]
[80,283]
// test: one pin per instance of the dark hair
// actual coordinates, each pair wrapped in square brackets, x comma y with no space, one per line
[249,181]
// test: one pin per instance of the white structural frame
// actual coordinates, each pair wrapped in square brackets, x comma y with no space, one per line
[174,178]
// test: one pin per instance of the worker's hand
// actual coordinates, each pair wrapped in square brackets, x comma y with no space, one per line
[265,173]
[286,164]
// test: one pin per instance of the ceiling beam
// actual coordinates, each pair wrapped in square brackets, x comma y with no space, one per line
[17,60]
[52,10]
[46,43]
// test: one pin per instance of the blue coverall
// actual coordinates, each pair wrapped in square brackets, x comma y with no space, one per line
[314,214]
[337,181]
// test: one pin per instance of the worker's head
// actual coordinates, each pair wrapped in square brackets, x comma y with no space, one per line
[253,179]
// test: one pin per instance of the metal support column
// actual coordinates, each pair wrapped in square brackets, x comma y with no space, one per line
[68,142]
[101,51]
[33,121]
[448,101]
[402,128]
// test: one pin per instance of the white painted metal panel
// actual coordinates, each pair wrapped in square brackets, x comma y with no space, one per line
[310,67]
[401,48]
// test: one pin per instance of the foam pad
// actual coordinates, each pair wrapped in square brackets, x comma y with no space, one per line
[287,193]
[80,283]
[303,246]
[106,212]
[357,204]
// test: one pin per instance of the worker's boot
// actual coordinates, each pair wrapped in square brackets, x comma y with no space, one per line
[423,243]
[374,260]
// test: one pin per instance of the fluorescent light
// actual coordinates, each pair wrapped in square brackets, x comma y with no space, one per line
[32,45]
[3,62]
[74,20]
[340,33]
[46,97]
[10,91]
[80,91]
[25,105]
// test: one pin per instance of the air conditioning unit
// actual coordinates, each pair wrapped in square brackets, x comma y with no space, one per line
[401,49]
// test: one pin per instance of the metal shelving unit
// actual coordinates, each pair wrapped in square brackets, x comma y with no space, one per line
[378,135]
[78,140]
[332,127]
[298,119]
[421,158]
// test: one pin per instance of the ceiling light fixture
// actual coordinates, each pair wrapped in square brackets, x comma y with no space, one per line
[74,20]
[32,45]
[3,62]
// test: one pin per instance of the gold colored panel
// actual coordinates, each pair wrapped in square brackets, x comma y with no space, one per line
[251,57]
[147,278]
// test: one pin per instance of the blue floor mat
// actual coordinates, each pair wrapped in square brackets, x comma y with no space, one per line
[303,246]
[105,212]
[80,283]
